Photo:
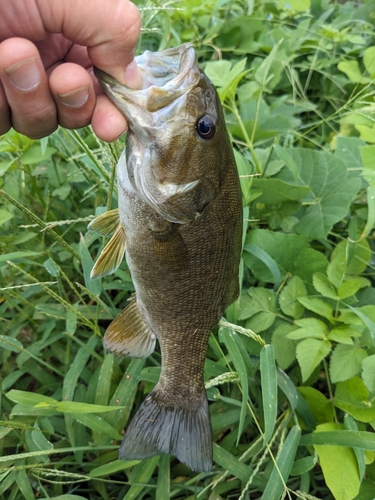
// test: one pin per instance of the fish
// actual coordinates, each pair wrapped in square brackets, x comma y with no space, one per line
[179,223]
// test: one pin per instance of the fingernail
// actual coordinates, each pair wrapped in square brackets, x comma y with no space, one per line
[133,76]
[24,74]
[75,98]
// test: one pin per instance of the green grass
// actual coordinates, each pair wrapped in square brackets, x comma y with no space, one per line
[290,371]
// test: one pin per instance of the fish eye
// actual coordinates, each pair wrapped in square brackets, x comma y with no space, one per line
[205,127]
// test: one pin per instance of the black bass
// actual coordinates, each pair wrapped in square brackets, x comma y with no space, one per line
[180,219]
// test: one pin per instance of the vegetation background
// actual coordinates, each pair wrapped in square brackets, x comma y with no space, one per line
[290,372]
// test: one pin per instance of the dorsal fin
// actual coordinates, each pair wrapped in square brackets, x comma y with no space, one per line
[111,256]
[129,335]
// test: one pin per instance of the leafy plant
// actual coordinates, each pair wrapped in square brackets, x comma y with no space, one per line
[290,371]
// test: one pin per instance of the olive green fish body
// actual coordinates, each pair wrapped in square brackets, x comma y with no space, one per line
[180,211]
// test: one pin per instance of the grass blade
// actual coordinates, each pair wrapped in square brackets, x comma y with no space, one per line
[163,486]
[267,260]
[228,337]
[139,476]
[348,438]
[281,470]
[269,390]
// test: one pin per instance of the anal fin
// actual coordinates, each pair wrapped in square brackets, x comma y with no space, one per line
[129,335]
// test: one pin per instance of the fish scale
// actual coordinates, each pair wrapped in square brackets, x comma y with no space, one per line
[181,216]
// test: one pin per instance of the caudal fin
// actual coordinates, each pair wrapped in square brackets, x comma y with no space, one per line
[183,432]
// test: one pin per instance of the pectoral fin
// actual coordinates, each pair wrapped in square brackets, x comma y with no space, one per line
[106,224]
[111,255]
[129,335]
[171,252]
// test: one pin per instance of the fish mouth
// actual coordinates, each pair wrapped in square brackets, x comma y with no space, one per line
[154,114]
[167,75]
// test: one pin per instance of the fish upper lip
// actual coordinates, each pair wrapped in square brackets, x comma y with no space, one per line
[166,75]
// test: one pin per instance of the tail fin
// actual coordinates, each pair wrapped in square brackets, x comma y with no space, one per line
[182,432]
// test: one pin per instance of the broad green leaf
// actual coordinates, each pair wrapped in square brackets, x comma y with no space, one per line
[343,334]
[339,466]
[285,348]
[261,309]
[282,153]
[310,352]
[282,248]
[368,372]
[346,361]
[262,74]
[366,133]
[323,286]
[353,71]
[350,287]
[217,71]
[275,485]
[309,328]
[289,298]
[360,256]
[336,269]
[5,216]
[348,150]
[34,154]
[332,190]
[4,166]
[269,390]
[277,191]
[318,306]
[307,263]
[368,159]
[320,406]
[294,5]
[369,60]
[353,397]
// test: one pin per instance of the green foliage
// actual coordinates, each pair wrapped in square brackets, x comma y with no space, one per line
[290,373]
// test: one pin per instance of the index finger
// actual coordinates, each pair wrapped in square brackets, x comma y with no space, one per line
[109,29]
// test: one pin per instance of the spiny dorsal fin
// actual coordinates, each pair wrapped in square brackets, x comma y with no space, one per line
[111,255]
[106,224]
[129,335]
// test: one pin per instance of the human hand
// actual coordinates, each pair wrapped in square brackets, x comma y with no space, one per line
[47,52]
